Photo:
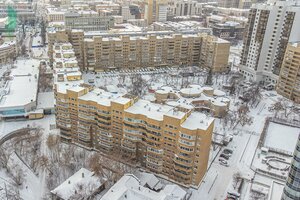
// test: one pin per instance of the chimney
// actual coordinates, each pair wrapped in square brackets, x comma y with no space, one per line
[69,182]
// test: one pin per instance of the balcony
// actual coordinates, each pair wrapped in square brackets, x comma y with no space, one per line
[154,162]
[157,151]
[104,144]
[133,149]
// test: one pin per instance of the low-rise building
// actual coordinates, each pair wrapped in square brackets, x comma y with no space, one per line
[84,184]
[130,187]
[18,95]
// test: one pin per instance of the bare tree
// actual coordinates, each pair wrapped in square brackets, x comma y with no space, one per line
[18,174]
[53,143]
[11,193]
[209,78]
[237,177]
[138,85]
[4,158]
[255,95]
[257,196]
[95,165]
[23,49]
[276,108]
[243,117]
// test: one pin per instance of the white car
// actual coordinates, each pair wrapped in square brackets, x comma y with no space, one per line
[224,163]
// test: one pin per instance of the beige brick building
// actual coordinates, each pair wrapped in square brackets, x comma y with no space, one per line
[289,79]
[75,37]
[173,141]
[155,51]
[170,140]
[102,53]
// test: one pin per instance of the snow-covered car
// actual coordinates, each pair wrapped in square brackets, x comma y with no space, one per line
[224,163]
[228,151]
[224,156]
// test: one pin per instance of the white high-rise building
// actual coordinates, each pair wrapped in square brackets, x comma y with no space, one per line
[270,28]
[162,12]
[126,13]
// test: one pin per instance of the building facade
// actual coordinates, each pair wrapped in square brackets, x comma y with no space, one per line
[155,51]
[270,28]
[168,140]
[228,31]
[75,37]
[291,190]
[289,79]
[87,21]
[8,52]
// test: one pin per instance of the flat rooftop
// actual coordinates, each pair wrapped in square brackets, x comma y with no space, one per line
[281,137]
[45,100]
[22,89]
[276,191]
[154,111]
[104,98]
[197,120]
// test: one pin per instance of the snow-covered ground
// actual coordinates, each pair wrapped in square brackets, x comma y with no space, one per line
[33,186]
[9,126]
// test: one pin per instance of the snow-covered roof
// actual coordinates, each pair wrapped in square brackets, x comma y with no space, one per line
[84,178]
[22,89]
[281,137]
[45,100]
[104,98]
[151,181]
[195,93]
[154,111]
[129,187]
[197,120]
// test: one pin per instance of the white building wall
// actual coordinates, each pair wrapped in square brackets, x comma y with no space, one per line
[162,13]
[270,46]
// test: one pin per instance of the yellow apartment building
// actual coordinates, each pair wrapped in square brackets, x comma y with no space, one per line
[173,141]
[289,79]
[103,53]
[155,51]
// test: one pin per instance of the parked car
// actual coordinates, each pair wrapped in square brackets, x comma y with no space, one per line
[227,152]
[269,87]
[91,81]
[224,163]
[224,156]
